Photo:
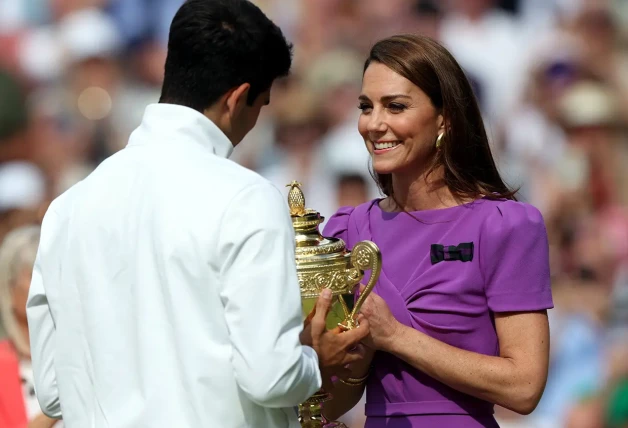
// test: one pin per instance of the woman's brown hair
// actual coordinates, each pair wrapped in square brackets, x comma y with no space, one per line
[470,170]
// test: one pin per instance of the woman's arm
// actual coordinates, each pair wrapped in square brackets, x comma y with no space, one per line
[515,379]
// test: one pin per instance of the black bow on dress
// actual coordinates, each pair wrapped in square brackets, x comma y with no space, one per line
[445,253]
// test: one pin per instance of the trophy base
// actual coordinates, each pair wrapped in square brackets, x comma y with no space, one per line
[310,412]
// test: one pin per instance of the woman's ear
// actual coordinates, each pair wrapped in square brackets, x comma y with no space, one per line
[441,123]
[236,99]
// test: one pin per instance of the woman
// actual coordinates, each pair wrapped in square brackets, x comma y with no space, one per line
[18,404]
[458,318]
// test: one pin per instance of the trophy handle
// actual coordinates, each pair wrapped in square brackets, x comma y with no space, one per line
[364,256]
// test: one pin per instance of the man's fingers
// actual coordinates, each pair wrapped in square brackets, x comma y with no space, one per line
[323,304]
[352,337]
[351,358]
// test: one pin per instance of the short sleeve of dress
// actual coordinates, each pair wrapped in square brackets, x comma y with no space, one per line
[514,258]
[338,224]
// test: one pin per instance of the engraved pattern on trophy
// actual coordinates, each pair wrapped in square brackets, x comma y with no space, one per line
[313,284]
[331,249]
[339,282]
[353,276]
[332,280]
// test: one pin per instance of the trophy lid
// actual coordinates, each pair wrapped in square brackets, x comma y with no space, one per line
[310,244]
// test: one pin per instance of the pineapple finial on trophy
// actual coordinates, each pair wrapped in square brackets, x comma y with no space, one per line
[296,199]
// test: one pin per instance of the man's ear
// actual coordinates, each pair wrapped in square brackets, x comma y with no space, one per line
[236,99]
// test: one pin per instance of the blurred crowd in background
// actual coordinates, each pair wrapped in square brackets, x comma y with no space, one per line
[551,77]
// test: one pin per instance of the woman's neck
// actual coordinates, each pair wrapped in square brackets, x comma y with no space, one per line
[421,192]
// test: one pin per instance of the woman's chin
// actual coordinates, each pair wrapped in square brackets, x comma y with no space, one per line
[382,168]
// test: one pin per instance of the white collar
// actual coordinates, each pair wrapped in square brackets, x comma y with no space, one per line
[166,120]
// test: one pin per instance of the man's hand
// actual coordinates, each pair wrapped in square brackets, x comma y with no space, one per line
[335,348]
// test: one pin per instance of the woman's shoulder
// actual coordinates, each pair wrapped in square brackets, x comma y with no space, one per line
[338,223]
[506,212]
[509,222]
[514,257]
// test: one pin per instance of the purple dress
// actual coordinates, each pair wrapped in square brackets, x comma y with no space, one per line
[445,276]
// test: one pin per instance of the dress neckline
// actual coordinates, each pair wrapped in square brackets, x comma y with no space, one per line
[430,216]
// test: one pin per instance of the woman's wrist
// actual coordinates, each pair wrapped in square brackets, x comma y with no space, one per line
[391,341]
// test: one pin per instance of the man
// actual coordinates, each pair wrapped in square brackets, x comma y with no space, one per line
[164,292]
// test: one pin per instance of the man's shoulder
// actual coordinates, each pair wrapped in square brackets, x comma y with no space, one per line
[63,201]
[239,178]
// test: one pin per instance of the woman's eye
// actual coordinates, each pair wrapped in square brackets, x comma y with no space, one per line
[364,106]
[394,107]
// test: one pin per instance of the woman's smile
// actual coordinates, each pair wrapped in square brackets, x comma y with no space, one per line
[381,147]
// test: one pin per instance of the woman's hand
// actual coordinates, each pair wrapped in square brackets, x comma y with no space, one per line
[382,323]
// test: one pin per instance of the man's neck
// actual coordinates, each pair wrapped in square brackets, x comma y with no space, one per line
[216,116]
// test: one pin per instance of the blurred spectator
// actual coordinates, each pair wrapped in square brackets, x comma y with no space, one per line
[487,43]
[79,111]
[335,80]
[141,21]
[18,403]
[297,155]
[353,190]
[599,36]
[534,142]
[616,412]
[551,77]
[23,186]
[144,27]
[13,119]
[590,115]
[16,15]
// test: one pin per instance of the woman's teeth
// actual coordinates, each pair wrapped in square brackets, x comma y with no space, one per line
[386,145]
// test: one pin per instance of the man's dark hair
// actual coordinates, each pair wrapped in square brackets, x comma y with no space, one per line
[216,45]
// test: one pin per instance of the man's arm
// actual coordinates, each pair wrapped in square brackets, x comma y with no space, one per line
[262,301]
[41,329]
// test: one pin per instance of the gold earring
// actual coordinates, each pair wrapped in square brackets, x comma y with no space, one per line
[439,140]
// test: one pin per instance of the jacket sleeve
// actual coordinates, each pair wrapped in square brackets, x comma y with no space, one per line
[260,293]
[42,330]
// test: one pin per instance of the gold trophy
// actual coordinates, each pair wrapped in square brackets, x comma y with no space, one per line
[326,263]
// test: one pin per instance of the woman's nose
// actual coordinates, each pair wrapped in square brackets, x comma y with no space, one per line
[376,123]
